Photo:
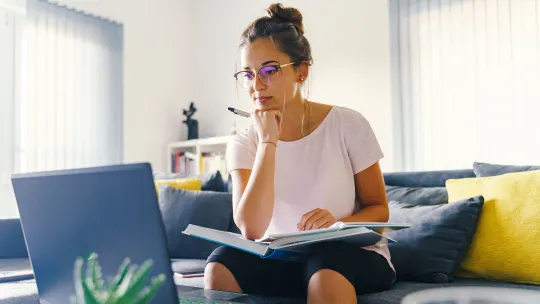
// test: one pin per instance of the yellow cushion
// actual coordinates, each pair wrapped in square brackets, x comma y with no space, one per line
[506,245]
[188,183]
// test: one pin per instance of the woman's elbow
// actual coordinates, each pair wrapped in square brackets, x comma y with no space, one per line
[247,230]
[252,235]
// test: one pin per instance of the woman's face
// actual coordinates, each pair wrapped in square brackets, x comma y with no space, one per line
[275,86]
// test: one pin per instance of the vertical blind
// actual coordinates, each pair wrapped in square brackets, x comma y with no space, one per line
[71,113]
[468,81]
[7,100]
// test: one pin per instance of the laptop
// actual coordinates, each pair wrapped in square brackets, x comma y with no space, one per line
[110,210]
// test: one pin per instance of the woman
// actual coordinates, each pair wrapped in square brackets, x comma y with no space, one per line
[302,165]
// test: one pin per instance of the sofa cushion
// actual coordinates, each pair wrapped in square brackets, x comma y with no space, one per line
[212,181]
[417,195]
[12,244]
[432,249]
[508,235]
[424,178]
[485,169]
[401,289]
[188,265]
[15,269]
[187,183]
[204,208]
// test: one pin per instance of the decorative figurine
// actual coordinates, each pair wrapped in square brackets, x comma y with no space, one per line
[192,124]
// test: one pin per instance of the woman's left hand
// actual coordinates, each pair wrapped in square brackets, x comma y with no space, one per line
[315,219]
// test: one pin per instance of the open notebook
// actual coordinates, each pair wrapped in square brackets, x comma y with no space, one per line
[292,245]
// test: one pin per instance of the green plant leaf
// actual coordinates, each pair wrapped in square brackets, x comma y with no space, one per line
[97,277]
[146,295]
[126,281]
[89,297]
[94,279]
[138,281]
[122,271]
[90,265]
[126,287]
[78,280]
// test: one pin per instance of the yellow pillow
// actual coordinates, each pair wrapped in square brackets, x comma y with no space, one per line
[506,245]
[188,183]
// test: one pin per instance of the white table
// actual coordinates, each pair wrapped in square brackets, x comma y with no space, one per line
[473,295]
[20,292]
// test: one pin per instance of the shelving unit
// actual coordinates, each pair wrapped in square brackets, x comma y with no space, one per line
[195,148]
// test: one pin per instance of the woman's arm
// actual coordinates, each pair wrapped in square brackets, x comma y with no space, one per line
[371,193]
[253,193]
[253,189]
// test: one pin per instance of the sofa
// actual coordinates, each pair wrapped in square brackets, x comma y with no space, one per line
[210,206]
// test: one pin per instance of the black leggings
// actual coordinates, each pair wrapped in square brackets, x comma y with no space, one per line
[367,271]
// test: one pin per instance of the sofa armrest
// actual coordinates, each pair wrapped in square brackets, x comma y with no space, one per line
[12,243]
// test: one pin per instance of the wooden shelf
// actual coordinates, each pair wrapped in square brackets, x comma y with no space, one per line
[201,142]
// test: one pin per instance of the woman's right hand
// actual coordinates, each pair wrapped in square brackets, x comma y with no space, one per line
[267,125]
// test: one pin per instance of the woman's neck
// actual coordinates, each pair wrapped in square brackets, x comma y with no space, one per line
[296,112]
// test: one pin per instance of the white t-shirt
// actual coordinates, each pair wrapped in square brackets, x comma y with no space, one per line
[316,171]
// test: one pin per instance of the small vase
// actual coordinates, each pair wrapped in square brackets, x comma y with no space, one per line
[193,129]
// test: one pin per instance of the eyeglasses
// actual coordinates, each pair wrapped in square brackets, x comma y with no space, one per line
[268,74]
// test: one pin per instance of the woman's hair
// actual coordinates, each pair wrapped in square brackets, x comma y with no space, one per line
[284,26]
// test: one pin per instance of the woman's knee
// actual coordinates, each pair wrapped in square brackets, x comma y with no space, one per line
[329,280]
[330,286]
[219,277]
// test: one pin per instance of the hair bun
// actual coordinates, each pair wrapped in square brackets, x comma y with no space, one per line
[286,14]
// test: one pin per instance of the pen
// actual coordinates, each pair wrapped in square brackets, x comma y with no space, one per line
[239,112]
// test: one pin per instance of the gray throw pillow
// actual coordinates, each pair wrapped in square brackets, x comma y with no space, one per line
[485,170]
[431,250]
[179,208]
[417,195]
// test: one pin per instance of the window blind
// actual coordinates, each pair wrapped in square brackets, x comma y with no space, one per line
[468,81]
[70,111]
[7,101]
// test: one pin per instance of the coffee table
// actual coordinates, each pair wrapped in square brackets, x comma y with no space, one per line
[25,292]
[473,295]
[195,295]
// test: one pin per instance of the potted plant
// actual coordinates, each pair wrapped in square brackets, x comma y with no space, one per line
[127,286]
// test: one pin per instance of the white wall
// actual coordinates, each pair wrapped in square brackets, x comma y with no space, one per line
[182,50]
[350,44]
[157,85]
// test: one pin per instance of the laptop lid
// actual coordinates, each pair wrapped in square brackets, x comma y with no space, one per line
[110,210]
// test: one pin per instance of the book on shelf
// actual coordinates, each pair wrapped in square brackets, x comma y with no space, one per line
[212,162]
[293,245]
[185,163]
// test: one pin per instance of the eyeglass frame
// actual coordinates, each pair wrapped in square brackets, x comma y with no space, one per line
[257,74]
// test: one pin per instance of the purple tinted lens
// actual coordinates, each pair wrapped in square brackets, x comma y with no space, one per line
[267,71]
